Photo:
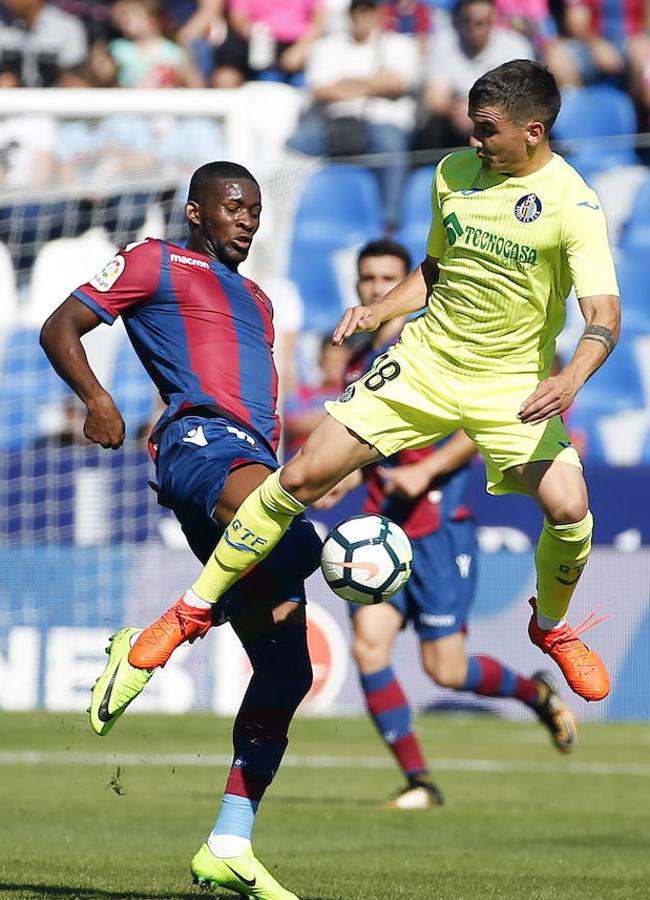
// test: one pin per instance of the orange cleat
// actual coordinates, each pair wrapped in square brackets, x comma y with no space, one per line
[158,641]
[583,669]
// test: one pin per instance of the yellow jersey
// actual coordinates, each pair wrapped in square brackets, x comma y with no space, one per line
[509,250]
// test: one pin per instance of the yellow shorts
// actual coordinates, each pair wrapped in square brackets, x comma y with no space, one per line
[399,406]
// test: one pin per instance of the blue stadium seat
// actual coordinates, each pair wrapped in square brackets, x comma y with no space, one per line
[591,113]
[341,204]
[615,387]
[29,386]
[633,272]
[132,389]
[416,212]
[339,207]
[636,231]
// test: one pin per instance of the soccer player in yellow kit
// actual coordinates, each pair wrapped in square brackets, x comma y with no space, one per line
[514,227]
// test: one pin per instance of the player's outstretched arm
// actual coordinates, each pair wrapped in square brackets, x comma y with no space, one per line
[553,395]
[410,295]
[61,340]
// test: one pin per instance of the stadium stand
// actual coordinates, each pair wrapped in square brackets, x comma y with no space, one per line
[339,208]
[635,234]
[592,113]
[132,389]
[633,270]
[416,212]
[29,388]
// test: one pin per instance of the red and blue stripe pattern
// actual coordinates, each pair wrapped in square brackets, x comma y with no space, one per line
[203,333]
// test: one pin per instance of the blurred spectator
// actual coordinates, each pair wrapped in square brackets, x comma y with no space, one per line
[142,57]
[95,16]
[28,147]
[406,17]
[533,19]
[268,40]
[199,26]
[457,57]
[303,409]
[38,43]
[599,34]
[639,47]
[361,83]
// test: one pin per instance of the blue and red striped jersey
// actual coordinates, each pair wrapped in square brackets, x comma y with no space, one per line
[203,332]
[615,20]
[446,497]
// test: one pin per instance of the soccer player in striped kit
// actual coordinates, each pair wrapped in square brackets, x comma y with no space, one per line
[205,335]
[424,491]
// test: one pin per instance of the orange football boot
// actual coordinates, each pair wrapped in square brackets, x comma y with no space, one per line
[583,669]
[158,641]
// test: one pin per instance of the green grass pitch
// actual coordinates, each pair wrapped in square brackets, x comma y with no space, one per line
[120,817]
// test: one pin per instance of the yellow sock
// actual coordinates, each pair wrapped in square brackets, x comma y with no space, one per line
[562,554]
[255,529]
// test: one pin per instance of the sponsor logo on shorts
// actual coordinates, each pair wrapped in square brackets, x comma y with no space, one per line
[437,621]
[188,261]
[240,434]
[196,436]
[528,208]
[347,394]
[105,279]
[464,563]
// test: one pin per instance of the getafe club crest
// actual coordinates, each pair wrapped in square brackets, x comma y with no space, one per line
[347,394]
[528,208]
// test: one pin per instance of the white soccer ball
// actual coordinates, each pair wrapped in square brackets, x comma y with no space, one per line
[366,559]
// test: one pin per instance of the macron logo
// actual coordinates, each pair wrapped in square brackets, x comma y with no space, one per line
[189,261]
[196,436]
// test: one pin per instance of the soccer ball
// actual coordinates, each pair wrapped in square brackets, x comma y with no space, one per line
[366,559]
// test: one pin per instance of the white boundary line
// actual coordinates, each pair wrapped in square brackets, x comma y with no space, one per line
[37,758]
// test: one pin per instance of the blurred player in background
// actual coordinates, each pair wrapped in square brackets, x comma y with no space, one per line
[424,492]
[514,227]
[205,335]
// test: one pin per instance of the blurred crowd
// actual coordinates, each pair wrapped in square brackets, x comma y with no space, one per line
[374,76]
[378,75]
[429,50]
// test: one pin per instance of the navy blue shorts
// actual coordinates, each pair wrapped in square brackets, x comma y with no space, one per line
[438,596]
[195,456]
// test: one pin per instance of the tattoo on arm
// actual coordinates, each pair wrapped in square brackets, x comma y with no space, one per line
[599,333]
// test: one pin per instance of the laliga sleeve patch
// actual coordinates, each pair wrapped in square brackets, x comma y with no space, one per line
[105,279]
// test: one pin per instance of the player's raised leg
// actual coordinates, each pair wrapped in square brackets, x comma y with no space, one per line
[375,629]
[281,677]
[562,553]
[118,685]
[261,507]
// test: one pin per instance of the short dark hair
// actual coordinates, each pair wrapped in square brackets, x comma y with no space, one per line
[207,174]
[363,4]
[524,89]
[385,247]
